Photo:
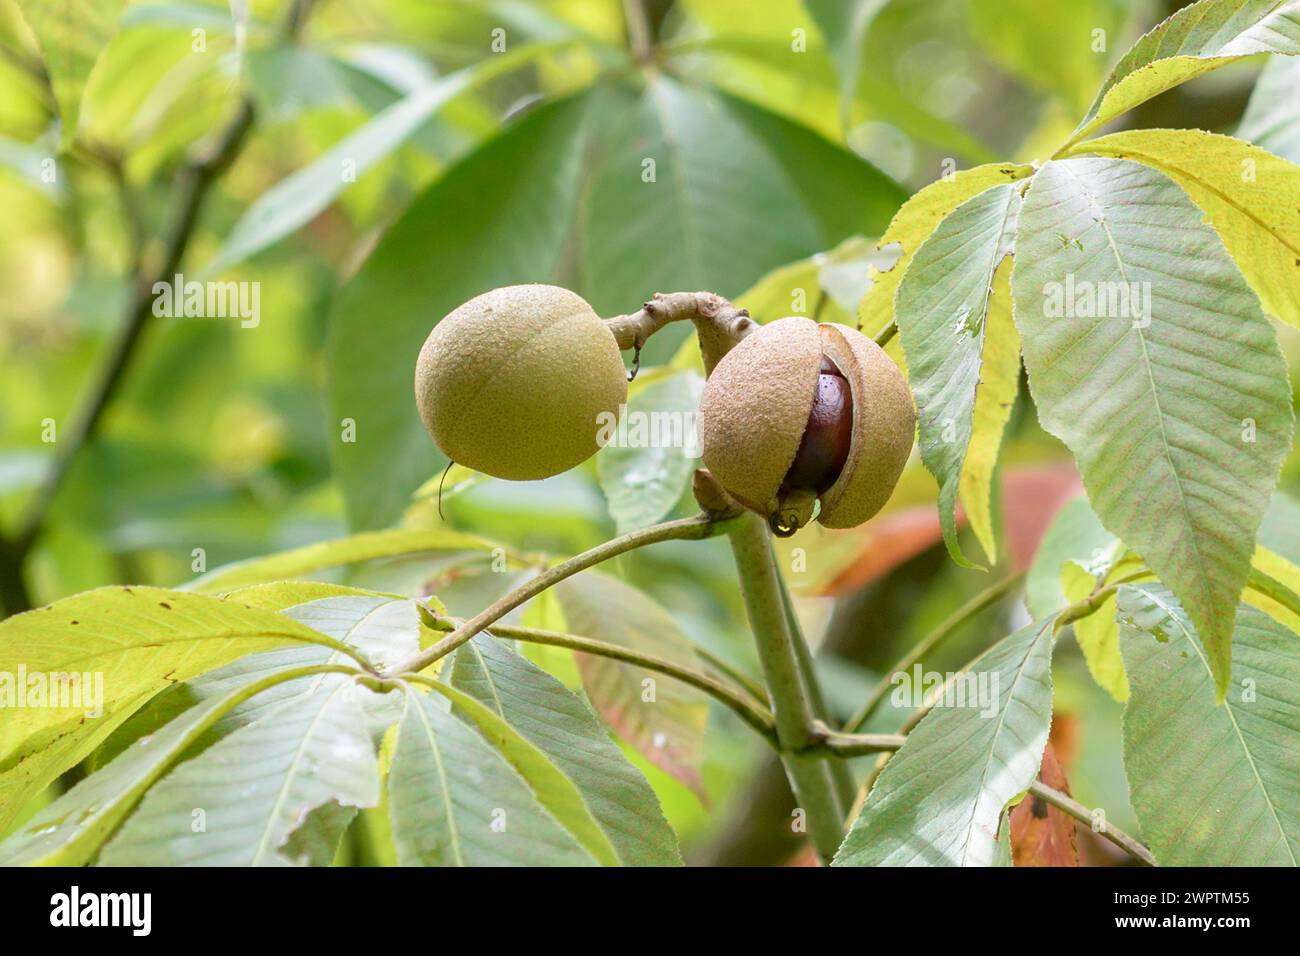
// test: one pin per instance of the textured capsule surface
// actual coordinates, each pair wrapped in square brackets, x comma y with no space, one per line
[514,383]
[798,412]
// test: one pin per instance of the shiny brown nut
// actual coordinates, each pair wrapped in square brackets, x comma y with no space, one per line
[799,412]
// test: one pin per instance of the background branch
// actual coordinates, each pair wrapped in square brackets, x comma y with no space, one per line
[204,164]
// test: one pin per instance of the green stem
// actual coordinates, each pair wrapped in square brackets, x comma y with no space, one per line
[1074,808]
[792,702]
[857,745]
[975,605]
[744,706]
[841,773]
[683,529]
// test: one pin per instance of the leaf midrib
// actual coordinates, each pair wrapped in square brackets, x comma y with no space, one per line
[288,777]
[1232,718]
[1166,166]
[440,767]
[1188,527]
[997,732]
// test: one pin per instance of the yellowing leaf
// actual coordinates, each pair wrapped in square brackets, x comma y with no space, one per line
[1250,196]
[1195,40]
[1282,572]
[1097,634]
[942,312]
[994,396]
[915,221]
[135,641]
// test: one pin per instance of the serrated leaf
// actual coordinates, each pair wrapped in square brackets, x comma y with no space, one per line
[1197,39]
[140,640]
[1147,355]
[1212,785]
[939,801]
[913,224]
[1272,119]
[498,217]
[942,310]
[374,624]
[647,467]
[559,723]
[72,34]
[664,720]
[994,397]
[1250,197]
[454,801]
[353,549]
[70,830]
[256,787]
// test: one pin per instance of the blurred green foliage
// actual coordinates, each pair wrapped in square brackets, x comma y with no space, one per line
[781,129]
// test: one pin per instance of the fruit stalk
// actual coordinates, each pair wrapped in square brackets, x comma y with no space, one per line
[792,699]
[718,324]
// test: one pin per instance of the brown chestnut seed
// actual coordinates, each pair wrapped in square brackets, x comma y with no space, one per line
[779,410]
[822,452]
[827,436]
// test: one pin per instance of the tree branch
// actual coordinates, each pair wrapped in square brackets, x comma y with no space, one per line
[750,711]
[192,185]
[683,529]
[201,169]
[1074,808]
[954,621]
[855,745]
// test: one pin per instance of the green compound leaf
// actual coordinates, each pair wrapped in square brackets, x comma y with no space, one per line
[70,830]
[139,641]
[942,311]
[1149,357]
[938,802]
[455,801]
[240,801]
[1212,784]
[559,723]
[1197,39]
